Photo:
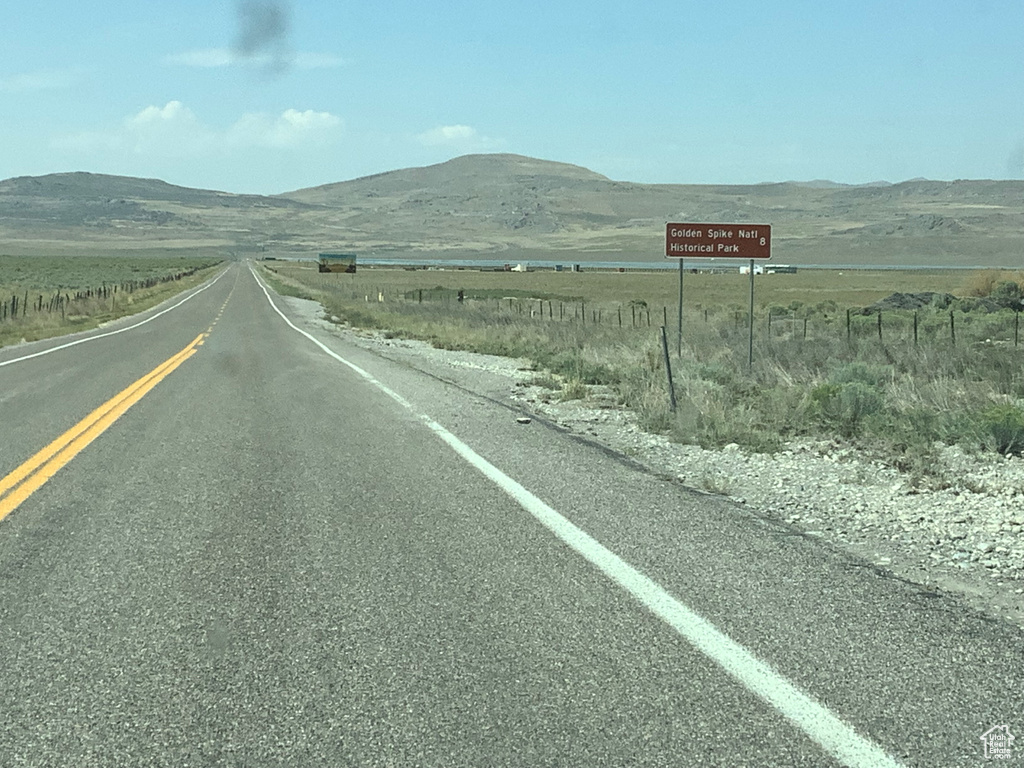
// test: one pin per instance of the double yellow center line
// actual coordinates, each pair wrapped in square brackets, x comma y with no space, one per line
[30,476]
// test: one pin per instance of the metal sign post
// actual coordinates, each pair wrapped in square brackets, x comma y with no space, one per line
[679,335]
[751,242]
[750,346]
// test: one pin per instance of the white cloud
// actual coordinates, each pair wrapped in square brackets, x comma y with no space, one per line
[445,135]
[458,138]
[44,80]
[173,111]
[212,58]
[289,129]
[174,130]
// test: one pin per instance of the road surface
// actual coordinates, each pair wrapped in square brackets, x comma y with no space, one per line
[229,539]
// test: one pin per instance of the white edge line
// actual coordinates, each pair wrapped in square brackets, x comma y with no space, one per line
[76,342]
[815,719]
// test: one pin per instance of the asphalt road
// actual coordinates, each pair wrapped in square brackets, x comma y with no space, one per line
[289,553]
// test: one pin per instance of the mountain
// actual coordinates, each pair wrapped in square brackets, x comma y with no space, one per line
[495,174]
[513,206]
[97,213]
[89,186]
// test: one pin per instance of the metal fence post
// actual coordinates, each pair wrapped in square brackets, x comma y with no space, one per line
[668,370]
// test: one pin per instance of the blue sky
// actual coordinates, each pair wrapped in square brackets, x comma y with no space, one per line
[225,95]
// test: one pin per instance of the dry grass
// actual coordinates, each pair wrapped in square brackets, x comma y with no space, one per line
[982,282]
[894,397]
[71,278]
[718,293]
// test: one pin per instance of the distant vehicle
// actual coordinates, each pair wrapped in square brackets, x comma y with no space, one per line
[337,262]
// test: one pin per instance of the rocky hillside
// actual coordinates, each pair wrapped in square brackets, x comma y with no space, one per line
[504,203]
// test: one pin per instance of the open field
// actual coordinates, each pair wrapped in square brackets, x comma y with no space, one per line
[818,371]
[610,289]
[42,297]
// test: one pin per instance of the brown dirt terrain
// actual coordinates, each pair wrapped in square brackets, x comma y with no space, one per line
[509,206]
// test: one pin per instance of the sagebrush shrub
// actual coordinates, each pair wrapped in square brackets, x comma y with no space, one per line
[1005,425]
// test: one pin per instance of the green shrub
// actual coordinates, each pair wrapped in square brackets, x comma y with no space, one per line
[587,371]
[862,373]
[1005,425]
[722,375]
[711,429]
[736,388]
[846,406]
[1007,294]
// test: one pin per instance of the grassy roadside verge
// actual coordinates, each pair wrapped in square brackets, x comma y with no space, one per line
[53,297]
[899,399]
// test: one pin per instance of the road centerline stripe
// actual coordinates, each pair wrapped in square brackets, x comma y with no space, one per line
[70,435]
[815,719]
[27,478]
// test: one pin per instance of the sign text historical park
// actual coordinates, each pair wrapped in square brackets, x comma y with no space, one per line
[718,241]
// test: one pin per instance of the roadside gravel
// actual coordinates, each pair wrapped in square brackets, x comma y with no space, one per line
[966,539]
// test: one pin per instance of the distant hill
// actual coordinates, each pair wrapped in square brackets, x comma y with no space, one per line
[508,205]
[494,173]
[97,186]
[90,186]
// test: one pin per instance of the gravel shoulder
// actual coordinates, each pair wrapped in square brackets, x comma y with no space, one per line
[966,540]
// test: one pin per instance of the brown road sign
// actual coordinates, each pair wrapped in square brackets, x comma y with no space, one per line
[718,241]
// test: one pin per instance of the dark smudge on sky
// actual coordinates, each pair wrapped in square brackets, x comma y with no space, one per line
[263,34]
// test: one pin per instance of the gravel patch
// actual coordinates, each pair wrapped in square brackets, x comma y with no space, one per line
[966,539]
